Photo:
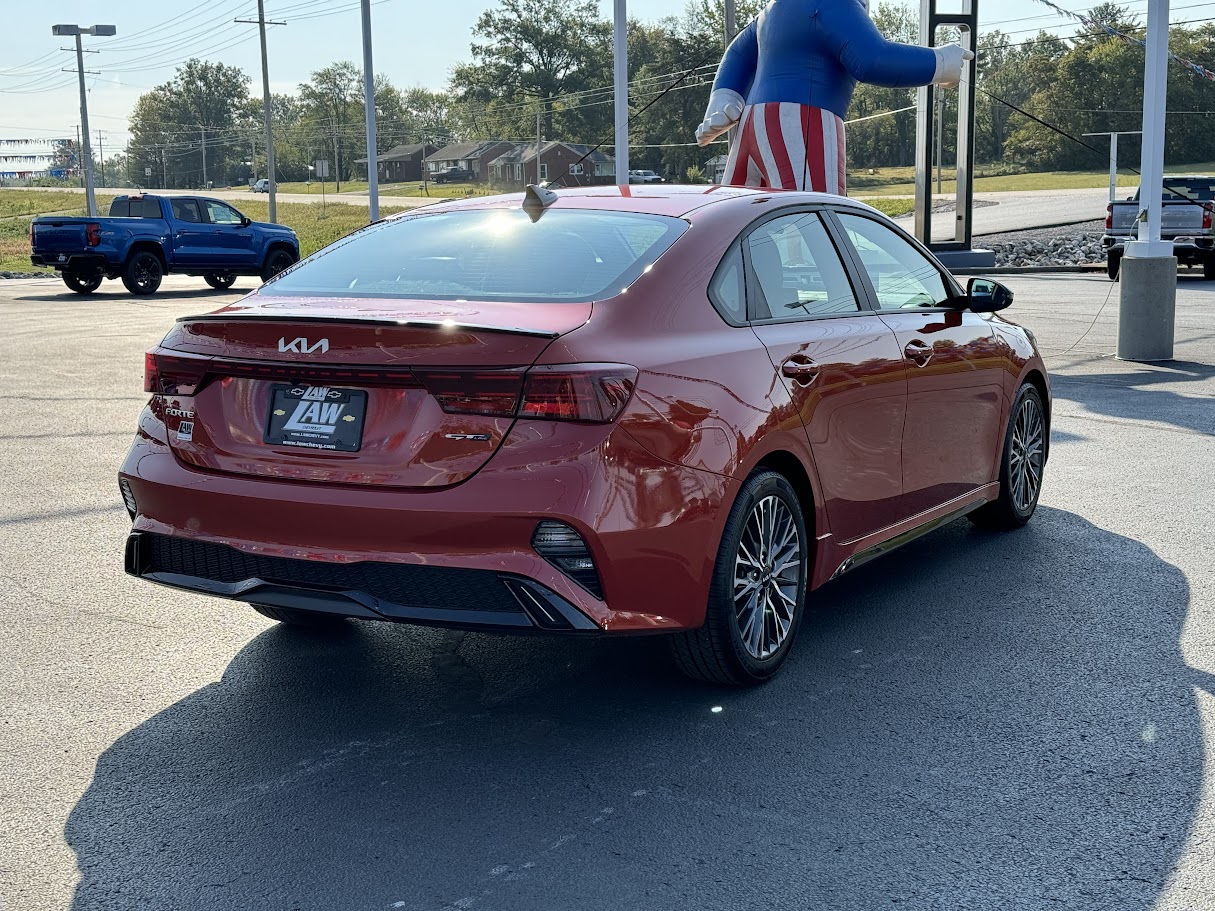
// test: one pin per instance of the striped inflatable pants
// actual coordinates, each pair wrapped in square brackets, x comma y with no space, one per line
[788,146]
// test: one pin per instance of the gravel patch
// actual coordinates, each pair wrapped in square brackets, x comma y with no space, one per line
[1068,245]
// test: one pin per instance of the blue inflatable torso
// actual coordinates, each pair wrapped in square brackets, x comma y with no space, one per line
[814,52]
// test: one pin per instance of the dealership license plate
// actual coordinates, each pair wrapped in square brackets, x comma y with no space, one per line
[316,417]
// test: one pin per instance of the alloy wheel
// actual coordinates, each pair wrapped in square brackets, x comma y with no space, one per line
[1027,454]
[767,576]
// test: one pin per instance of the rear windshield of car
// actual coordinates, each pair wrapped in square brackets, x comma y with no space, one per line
[1201,189]
[488,254]
[135,208]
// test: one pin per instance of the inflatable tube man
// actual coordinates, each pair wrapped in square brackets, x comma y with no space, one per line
[787,80]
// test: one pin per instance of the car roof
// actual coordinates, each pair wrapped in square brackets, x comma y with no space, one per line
[675,200]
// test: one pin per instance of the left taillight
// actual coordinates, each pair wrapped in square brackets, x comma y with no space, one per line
[166,374]
[92,233]
[587,393]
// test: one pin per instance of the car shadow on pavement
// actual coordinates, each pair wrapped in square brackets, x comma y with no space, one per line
[1146,393]
[119,296]
[981,721]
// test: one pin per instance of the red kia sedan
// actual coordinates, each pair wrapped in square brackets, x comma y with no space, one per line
[610,411]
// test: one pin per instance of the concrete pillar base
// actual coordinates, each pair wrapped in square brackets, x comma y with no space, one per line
[1148,308]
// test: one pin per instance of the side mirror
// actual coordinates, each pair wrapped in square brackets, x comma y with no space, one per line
[986,296]
[245,221]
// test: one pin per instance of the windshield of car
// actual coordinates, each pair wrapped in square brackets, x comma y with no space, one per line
[488,254]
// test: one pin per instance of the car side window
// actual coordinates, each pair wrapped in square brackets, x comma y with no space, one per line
[221,214]
[901,275]
[726,290]
[798,269]
[186,210]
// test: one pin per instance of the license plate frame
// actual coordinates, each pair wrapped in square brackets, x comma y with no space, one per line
[316,418]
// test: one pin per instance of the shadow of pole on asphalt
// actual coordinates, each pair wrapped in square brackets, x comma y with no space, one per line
[978,721]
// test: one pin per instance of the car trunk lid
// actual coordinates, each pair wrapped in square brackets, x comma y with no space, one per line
[395,393]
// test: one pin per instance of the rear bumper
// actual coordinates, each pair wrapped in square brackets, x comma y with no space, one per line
[651,527]
[78,263]
[1185,248]
[428,595]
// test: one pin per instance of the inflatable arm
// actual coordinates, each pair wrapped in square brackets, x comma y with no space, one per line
[730,88]
[870,57]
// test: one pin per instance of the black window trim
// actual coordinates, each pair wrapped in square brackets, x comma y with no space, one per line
[754,292]
[956,295]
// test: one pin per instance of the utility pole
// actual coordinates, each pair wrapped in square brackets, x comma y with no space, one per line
[77,31]
[204,153]
[373,166]
[78,154]
[1114,157]
[101,155]
[621,82]
[164,168]
[271,176]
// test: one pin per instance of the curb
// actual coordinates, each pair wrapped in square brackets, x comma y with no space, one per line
[1083,268]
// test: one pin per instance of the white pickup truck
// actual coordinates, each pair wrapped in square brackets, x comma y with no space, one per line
[1185,219]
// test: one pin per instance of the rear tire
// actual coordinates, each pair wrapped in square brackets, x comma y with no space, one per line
[82,284]
[276,261]
[301,618]
[1208,268]
[220,281]
[143,273]
[1112,263]
[1021,467]
[758,592]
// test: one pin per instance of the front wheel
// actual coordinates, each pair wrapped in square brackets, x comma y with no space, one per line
[143,273]
[82,284]
[1021,466]
[758,591]
[220,281]
[278,260]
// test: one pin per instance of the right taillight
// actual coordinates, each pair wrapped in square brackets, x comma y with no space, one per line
[1109,217]
[92,233]
[1206,217]
[589,393]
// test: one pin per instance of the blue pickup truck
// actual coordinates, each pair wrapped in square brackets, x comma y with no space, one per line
[145,237]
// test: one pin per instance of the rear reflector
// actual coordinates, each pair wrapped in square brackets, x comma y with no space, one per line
[128,497]
[563,547]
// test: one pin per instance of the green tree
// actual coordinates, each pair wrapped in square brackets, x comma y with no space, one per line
[333,111]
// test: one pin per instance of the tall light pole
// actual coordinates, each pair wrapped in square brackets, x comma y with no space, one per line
[99,31]
[373,165]
[621,61]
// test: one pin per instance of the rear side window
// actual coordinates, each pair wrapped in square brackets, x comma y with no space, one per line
[726,290]
[798,268]
[489,254]
[186,210]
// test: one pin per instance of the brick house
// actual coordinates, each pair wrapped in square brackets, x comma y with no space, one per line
[473,156]
[401,162]
[566,160]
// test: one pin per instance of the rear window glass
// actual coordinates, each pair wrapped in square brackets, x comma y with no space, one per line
[489,254]
[135,208]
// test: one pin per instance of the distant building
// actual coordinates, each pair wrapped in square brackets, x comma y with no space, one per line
[472,156]
[715,170]
[401,163]
[573,164]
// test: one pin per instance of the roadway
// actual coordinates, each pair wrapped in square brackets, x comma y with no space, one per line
[979,721]
[1005,211]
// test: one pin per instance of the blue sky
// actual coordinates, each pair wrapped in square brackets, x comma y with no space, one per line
[415,43]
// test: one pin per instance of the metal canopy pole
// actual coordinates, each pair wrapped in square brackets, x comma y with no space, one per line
[373,166]
[956,252]
[1148,272]
[1114,157]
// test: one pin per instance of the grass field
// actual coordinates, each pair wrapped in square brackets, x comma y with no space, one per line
[315,226]
[900,181]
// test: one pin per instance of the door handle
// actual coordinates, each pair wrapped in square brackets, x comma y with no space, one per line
[918,352]
[799,368]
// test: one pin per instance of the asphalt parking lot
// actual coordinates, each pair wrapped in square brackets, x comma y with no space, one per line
[979,721]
